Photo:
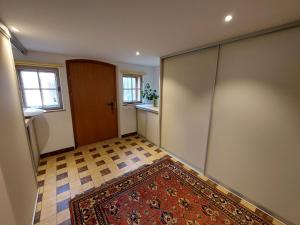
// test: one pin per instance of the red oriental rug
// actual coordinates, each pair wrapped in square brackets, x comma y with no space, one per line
[161,193]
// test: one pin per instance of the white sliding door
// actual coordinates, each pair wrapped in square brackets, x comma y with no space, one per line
[255,130]
[187,82]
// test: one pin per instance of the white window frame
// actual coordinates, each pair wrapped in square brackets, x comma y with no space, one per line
[40,69]
[136,89]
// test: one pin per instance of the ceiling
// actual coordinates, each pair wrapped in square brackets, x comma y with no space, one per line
[115,29]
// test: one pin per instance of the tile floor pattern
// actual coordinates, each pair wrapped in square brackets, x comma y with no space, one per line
[63,176]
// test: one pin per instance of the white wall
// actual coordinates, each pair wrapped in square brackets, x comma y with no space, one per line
[17,179]
[54,130]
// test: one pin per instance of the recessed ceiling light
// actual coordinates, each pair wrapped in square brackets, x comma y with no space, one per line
[137,53]
[228,18]
[15,29]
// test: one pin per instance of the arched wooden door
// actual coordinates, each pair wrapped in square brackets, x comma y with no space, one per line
[92,88]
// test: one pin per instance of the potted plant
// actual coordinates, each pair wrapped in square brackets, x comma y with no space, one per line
[150,95]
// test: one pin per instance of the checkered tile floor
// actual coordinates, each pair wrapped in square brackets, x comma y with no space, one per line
[63,176]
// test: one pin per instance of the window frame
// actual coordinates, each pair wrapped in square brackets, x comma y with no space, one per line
[137,89]
[37,69]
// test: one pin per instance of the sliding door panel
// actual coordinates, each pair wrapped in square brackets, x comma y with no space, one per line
[254,145]
[188,82]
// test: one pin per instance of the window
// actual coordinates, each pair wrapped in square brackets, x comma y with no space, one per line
[132,88]
[40,88]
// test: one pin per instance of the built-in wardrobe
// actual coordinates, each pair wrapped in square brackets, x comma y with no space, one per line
[232,111]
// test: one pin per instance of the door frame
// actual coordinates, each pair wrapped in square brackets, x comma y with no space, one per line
[70,61]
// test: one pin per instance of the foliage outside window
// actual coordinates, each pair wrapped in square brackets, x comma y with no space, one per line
[40,88]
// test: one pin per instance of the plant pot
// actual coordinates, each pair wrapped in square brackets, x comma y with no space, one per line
[155,103]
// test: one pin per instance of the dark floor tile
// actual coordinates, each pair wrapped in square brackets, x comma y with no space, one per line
[110,151]
[61,166]
[143,141]
[150,145]
[147,154]
[122,147]
[158,150]
[85,179]
[105,171]
[105,146]
[40,197]
[41,183]
[37,217]
[93,149]
[128,139]
[96,155]
[79,160]
[137,137]
[82,169]
[140,149]
[133,144]
[60,206]
[77,153]
[63,188]
[60,158]
[42,163]
[117,143]
[135,159]
[128,153]
[61,176]
[121,165]
[101,162]
[66,222]
[41,172]
[116,157]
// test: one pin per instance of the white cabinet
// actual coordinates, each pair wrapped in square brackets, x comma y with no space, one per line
[148,125]
[152,127]
[141,122]
[32,141]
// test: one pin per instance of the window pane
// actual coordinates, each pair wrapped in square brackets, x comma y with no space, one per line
[33,98]
[133,80]
[126,82]
[50,98]
[48,80]
[134,95]
[29,79]
[127,95]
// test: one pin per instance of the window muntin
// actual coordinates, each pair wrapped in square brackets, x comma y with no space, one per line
[132,87]
[40,88]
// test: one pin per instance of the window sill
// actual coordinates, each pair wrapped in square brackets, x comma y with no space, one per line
[133,104]
[53,110]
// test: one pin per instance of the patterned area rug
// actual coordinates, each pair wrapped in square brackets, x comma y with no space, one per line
[161,193]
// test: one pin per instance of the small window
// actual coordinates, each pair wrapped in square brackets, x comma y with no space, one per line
[132,89]
[40,88]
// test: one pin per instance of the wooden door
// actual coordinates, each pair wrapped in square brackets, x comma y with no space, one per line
[92,88]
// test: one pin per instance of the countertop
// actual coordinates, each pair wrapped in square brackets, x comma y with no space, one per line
[148,107]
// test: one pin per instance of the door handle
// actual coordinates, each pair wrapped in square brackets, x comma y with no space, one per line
[111,104]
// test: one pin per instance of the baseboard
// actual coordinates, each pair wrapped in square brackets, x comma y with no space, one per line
[129,134]
[57,152]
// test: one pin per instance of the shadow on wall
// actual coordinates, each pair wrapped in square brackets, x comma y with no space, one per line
[42,131]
